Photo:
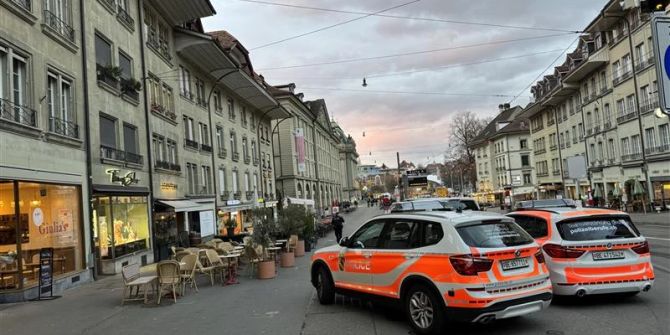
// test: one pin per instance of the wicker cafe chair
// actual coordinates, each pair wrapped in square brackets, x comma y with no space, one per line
[253,258]
[218,267]
[168,277]
[291,244]
[204,266]
[188,275]
[133,280]
[180,255]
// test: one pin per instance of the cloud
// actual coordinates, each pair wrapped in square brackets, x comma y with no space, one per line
[415,125]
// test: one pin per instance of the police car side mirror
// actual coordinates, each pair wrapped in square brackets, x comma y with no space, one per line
[344,241]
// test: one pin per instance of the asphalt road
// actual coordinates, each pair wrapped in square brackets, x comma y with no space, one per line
[646,313]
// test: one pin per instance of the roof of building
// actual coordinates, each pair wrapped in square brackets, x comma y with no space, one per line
[490,130]
[519,125]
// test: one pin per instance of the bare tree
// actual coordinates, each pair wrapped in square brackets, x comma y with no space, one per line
[465,127]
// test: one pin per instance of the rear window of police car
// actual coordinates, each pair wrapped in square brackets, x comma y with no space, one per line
[496,234]
[588,229]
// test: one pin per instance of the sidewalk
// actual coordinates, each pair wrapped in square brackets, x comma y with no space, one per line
[275,306]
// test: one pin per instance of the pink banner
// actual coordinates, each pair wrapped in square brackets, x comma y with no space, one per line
[300,148]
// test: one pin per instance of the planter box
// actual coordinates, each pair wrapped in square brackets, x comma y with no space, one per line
[287,260]
[266,270]
[300,248]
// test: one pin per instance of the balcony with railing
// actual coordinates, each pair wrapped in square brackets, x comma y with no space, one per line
[663,148]
[543,174]
[556,172]
[611,161]
[191,144]
[550,121]
[224,195]
[63,127]
[631,157]
[649,104]
[567,143]
[249,195]
[205,148]
[608,125]
[247,160]
[562,145]
[26,5]
[644,62]
[57,25]
[159,46]
[167,166]
[120,155]
[596,129]
[619,37]
[163,111]
[108,74]
[256,161]
[540,151]
[23,115]
[222,152]
[626,115]
[237,195]
[129,88]
[589,130]
[124,17]
[620,77]
[236,156]
[553,147]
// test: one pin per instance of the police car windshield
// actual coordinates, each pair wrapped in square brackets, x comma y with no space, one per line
[494,235]
[588,229]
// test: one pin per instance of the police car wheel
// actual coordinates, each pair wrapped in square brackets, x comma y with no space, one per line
[325,289]
[424,310]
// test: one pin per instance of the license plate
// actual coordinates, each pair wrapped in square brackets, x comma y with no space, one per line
[605,255]
[512,264]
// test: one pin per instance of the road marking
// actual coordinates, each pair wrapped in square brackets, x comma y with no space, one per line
[657,238]
[653,225]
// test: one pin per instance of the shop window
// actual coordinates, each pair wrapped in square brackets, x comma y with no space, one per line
[121,225]
[49,217]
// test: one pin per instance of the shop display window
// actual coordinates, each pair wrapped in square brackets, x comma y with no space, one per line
[121,225]
[49,217]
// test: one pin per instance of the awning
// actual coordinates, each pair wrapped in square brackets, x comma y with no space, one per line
[235,208]
[185,205]
[180,11]
[298,201]
[203,50]
[120,190]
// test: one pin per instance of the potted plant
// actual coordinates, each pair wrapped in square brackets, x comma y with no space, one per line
[230,225]
[308,232]
[292,222]
[263,227]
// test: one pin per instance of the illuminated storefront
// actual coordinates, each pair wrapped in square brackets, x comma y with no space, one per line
[34,216]
[121,229]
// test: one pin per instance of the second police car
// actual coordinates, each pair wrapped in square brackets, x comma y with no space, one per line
[588,250]
[440,266]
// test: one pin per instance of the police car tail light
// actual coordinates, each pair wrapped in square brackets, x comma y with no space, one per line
[539,256]
[557,251]
[467,265]
[642,248]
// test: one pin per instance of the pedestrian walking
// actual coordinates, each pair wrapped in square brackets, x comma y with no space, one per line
[338,224]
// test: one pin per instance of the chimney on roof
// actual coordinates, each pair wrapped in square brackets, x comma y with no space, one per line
[500,108]
[506,106]
[300,96]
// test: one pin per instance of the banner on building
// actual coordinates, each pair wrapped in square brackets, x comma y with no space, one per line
[300,148]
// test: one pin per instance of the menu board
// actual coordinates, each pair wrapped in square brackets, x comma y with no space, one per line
[46,271]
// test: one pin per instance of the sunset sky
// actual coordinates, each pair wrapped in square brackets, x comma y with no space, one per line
[417,124]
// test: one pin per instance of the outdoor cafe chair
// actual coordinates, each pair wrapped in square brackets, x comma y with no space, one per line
[180,255]
[188,275]
[218,267]
[168,277]
[204,266]
[132,279]
[193,250]
[292,243]
[253,258]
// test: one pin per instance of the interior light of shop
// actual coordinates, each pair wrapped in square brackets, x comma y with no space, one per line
[35,203]
[162,217]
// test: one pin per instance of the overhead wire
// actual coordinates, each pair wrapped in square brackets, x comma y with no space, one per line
[412,53]
[333,25]
[404,92]
[494,25]
[434,68]
[544,71]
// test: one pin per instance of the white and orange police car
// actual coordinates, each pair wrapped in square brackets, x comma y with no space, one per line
[588,250]
[440,265]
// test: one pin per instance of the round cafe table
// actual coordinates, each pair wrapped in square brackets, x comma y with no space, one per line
[232,261]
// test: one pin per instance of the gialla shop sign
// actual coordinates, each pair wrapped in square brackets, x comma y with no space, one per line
[54,227]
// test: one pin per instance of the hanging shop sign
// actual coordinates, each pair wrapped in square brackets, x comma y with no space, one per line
[128,179]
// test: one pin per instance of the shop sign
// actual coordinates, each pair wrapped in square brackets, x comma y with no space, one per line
[38,216]
[169,186]
[125,180]
[233,202]
[46,272]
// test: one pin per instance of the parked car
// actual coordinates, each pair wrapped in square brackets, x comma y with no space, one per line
[588,250]
[439,266]
[416,205]
[324,225]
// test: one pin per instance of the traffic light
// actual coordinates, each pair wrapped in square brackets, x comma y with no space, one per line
[650,6]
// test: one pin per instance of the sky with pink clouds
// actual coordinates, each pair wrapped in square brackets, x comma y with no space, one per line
[416,125]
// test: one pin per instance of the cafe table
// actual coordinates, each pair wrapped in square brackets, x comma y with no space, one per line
[275,253]
[232,260]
